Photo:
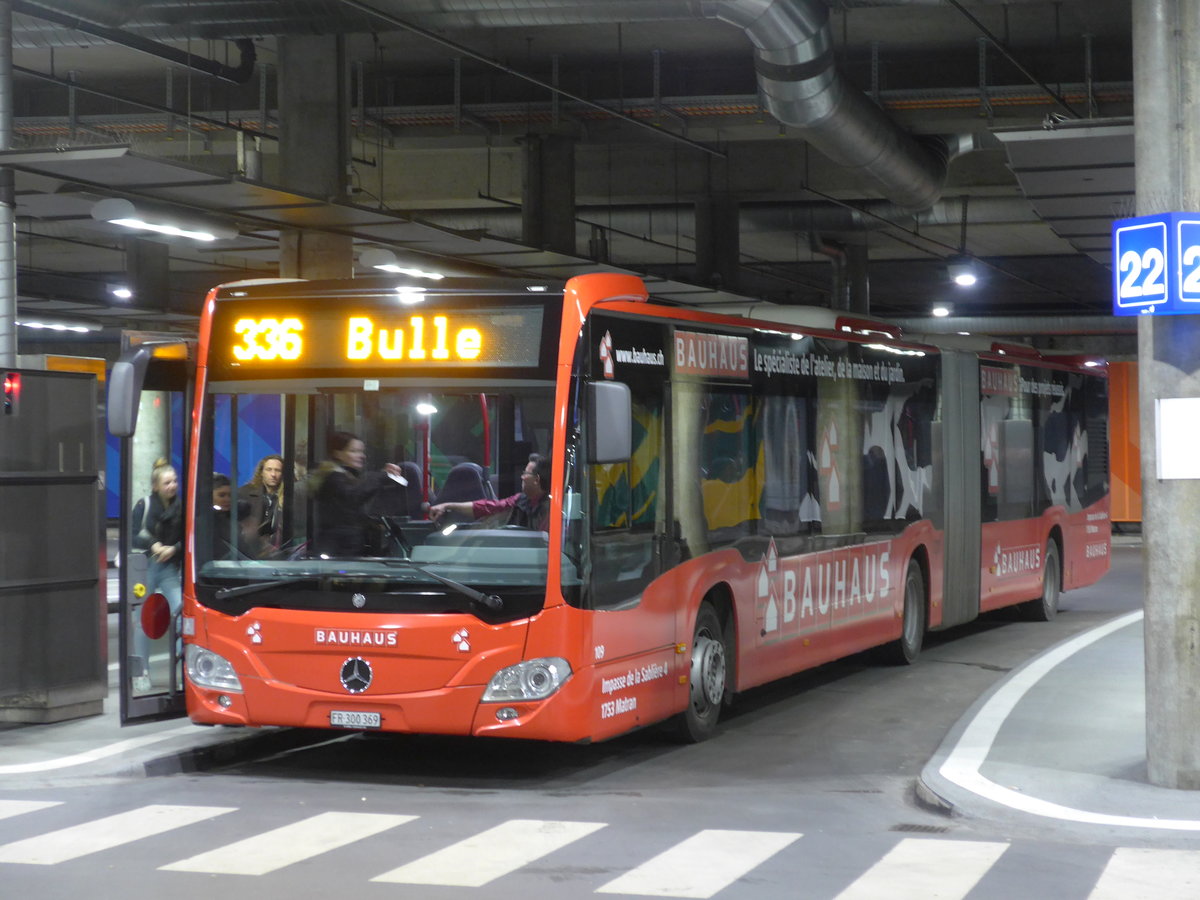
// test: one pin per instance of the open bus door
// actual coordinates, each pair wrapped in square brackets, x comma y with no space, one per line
[149,409]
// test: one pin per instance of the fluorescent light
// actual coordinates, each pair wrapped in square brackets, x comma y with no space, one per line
[385,260]
[426,409]
[941,310]
[122,212]
[57,323]
[120,292]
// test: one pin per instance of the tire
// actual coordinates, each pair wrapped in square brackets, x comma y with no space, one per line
[904,650]
[707,679]
[1045,607]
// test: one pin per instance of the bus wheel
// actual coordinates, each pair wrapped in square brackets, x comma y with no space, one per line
[706,680]
[905,650]
[1044,608]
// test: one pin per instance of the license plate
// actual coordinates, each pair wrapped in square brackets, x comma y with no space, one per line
[340,718]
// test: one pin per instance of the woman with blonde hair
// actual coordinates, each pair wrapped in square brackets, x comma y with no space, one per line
[157,525]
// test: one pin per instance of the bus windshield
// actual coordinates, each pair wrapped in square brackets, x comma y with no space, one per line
[333,489]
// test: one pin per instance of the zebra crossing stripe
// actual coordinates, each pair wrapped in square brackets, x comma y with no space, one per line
[1136,873]
[490,854]
[17,807]
[104,834]
[281,847]
[702,865]
[919,868]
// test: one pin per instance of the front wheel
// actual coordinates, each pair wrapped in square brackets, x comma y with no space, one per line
[706,678]
[1045,607]
[904,650]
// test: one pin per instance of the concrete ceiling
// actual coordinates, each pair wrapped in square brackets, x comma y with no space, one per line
[437,110]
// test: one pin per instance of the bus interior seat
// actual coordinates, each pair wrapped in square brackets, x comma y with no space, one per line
[464,482]
[412,474]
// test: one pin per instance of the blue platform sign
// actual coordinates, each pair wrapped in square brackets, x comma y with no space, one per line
[1156,265]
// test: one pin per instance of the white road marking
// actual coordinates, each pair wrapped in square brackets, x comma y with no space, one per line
[926,869]
[104,834]
[97,753]
[963,763]
[491,854]
[281,847]
[1140,874]
[702,865]
[17,807]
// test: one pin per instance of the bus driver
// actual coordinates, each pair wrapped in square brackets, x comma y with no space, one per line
[529,508]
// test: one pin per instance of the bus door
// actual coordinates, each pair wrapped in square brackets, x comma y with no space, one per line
[631,541]
[156,409]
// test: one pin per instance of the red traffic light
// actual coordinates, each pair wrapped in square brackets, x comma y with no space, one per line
[12,392]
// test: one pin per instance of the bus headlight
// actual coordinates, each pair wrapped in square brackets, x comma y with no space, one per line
[207,669]
[534,679]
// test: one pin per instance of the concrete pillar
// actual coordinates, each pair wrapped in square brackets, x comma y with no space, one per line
[148,273]
[314,112]
[718,245]
[1166,54]
[858,281]
[8,203]
[315,255]
[548,193]
[314,148]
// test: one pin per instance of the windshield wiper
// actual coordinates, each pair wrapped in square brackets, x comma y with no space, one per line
[243,589]
[487,601]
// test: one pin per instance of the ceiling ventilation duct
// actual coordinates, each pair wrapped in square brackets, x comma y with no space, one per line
[796,72]
[792,39]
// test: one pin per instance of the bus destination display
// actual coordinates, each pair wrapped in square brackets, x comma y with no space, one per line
[269,341]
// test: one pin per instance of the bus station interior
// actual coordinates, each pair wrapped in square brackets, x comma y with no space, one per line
[754,158]
[324,138]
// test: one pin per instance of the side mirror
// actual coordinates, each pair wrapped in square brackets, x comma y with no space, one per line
[125,390]
[610,422]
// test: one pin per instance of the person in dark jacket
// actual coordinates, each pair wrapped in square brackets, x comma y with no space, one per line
[264,492]
[341,491]
[157,524]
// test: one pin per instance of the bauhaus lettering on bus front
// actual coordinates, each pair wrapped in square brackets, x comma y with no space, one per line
[1156,264]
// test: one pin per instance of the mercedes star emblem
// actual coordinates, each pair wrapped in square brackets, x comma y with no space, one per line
[356,675]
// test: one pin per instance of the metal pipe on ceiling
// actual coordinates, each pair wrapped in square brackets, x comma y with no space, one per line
[238,74]
[799,81]
[794,63]
[755,218]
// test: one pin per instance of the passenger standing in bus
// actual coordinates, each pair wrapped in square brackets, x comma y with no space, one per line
[265,494]
[157,525]
[222,501]
[341,491]
[528,508]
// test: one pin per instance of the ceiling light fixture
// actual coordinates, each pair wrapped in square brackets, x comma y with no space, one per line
[57,323]
[385,261]
[122,212]
[941,310]
[120,291]
[962,270]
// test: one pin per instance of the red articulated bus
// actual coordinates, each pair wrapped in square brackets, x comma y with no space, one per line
[732,501]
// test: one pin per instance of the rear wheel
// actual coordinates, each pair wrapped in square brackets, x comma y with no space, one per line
[1045,607]
[905,650]
[706,678]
